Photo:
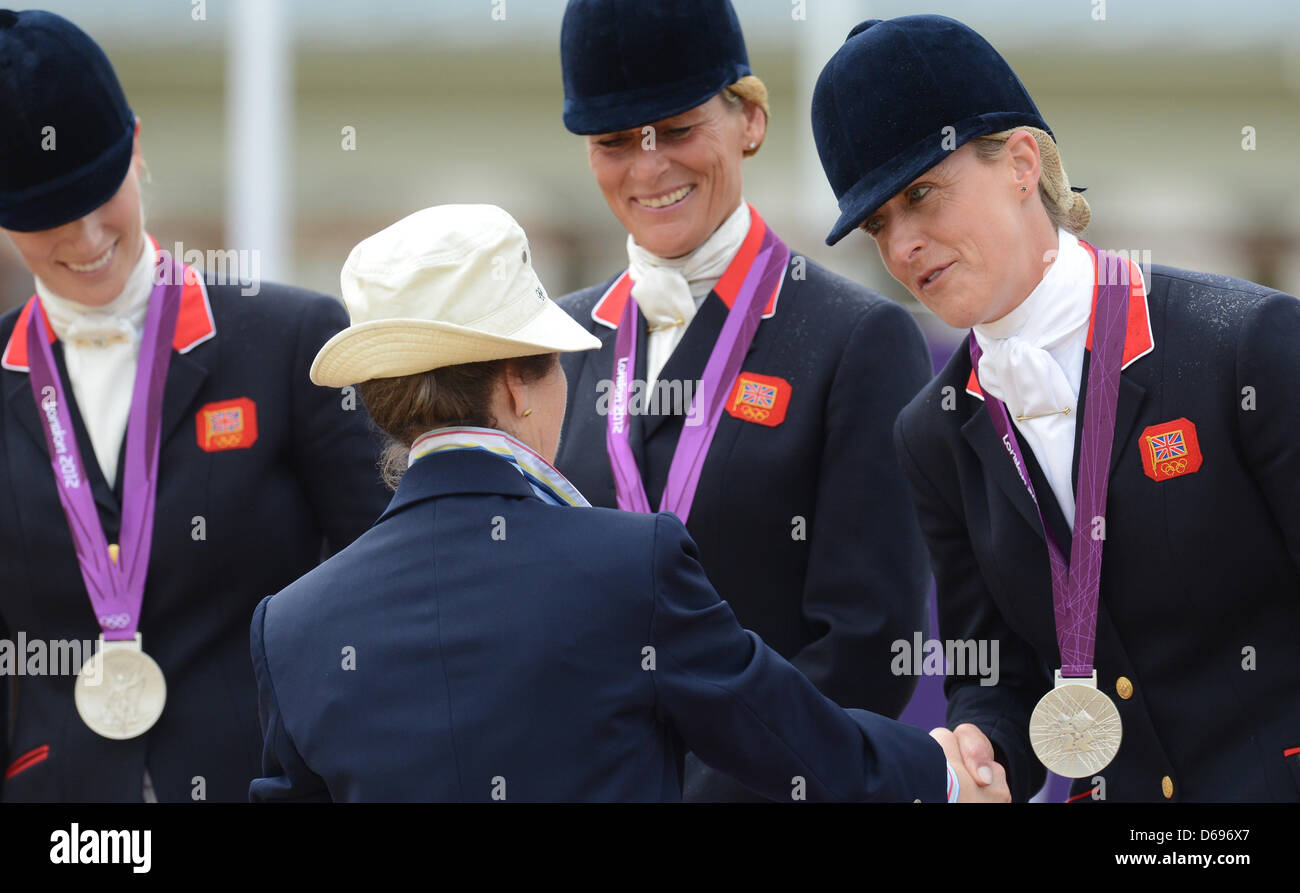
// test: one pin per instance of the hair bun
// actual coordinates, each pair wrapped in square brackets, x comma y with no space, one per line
[1079,214]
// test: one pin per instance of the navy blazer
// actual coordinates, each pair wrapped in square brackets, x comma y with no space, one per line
[805,528]
[231,525]
[480,644]
[1199,615]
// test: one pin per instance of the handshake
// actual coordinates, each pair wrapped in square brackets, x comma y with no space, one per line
[968,750]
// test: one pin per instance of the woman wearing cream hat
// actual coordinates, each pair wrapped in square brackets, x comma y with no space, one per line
[1107,471]
[493,637]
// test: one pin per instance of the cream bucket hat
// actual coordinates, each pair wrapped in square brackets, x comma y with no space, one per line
[447,285]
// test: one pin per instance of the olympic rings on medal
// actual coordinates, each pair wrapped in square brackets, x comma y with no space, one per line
[115,621]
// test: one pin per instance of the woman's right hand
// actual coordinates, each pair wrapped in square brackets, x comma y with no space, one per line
[970,754]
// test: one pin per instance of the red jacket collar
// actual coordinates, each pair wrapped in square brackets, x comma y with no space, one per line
[609,309]
[194,325]
[1138,340]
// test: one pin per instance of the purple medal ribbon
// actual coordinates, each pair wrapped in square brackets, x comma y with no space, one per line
[116,589]
[719,375]
[1076,583]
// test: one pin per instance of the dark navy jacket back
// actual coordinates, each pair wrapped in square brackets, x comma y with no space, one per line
[480,644]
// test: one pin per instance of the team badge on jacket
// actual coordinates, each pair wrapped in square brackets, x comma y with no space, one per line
[1170,450]
[227,425]
[759,398]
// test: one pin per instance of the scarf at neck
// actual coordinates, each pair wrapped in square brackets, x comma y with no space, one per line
[549,485]
[668,290]
[120,319]
[100,348]
[1033,362]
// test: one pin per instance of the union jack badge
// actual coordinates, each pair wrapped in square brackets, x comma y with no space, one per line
[227,425]
[1170,450]
[761,399]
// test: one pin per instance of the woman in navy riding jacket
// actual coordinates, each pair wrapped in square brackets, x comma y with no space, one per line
[493,636]
[195,467]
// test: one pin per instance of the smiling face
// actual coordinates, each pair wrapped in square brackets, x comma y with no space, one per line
[89,260]
[673,196]
[964,238]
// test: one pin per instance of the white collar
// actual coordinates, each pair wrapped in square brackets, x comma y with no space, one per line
[129,306]
[1058,305]
[667,288]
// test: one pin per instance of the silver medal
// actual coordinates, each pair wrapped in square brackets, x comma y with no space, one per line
[1075,729]
[121,691]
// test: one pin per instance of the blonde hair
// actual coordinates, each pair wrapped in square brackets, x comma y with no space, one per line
[749,89]
[1066,209]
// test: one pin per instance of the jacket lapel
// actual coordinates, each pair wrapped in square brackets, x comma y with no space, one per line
[22,405]
[998,466]
[687,362]
[185,376]
[1131,397]
[636,421]
[995,458]
[1127,408]
[598,366]
[979,432]
[1053,514]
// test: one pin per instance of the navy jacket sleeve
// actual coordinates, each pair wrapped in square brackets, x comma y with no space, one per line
[1268,362]
[336,452]
[744,710]
[868,578]
[967,611]
[286,776]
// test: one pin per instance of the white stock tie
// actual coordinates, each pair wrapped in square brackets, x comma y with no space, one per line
[1033,359]
[669,291]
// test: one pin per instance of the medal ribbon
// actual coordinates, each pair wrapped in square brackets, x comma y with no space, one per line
[116,588]
[719,375]
[1076,583]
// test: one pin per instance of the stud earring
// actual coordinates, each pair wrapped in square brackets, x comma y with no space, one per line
[753,145]
[1024,188]
[527,413]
